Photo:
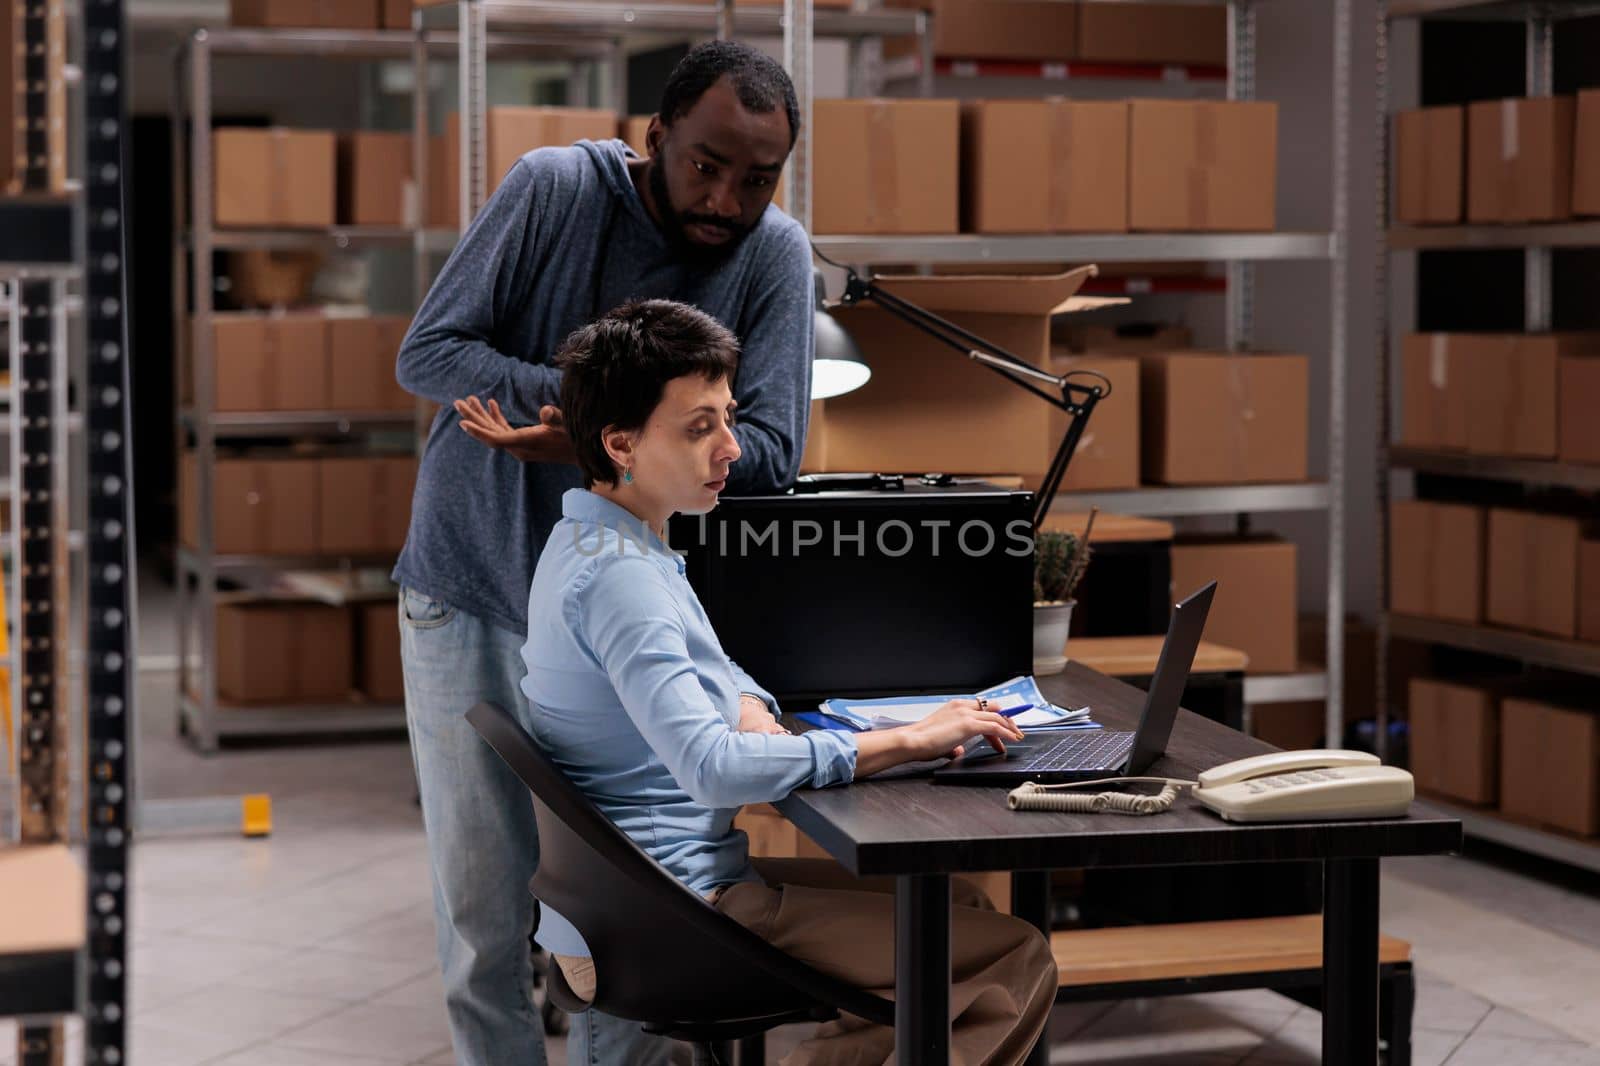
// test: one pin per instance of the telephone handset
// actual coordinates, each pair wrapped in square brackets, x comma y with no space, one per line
[1284,786]
[1306,786]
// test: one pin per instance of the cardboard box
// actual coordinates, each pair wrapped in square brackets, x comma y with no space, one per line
[1436,560]
[1586,155]
[273,177]
[1429,157]
[275,652]
[1044,166]
[1519,159]
[1127,338]
[382,679]
[1513,387]
[1436,376]
[308,14]
[1290,726]
[395,14]
[1256,605]
[1202,165]
[632,129]
[1578,375]
[1455,740]
[886,166]
[270,362]
[927,408]
[1589,590]
[365,504]
[1220,418]
[259,506]
[1550,765]
[376,187]
[1153,33]
[1533,571]
[361,364]
[997,29]
[511,133]
[1108,452]
[280,277]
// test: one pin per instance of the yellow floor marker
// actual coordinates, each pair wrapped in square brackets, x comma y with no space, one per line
[256,814]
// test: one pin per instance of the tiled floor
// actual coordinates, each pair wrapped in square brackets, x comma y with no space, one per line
[315,947]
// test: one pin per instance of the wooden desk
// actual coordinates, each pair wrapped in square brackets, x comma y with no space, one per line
[921,833]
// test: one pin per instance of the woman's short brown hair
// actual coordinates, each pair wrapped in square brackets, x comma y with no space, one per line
[614,371]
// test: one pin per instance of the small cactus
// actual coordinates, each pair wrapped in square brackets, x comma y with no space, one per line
[1059,561]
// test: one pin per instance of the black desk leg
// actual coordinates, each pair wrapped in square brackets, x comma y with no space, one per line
[922,969]
[1350,962]
[1030,901]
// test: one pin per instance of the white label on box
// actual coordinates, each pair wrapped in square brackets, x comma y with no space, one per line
[1438,364]
[1508,129]
[410,203]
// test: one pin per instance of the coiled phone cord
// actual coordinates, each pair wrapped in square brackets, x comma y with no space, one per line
[1031,796]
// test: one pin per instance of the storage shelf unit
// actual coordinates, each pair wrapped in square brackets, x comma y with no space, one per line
[1162,501]
[610,19]
[905,68]
[1537,240]
[300,423]
[1078,248]
[304,719]
[192,562]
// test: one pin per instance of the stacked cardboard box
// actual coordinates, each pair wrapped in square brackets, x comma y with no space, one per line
[1044,166]
[380,676]
[309,14]
[1108,452]
[886,166]
[1093,33]
[376,183]
[307,362]
[998,29]
[1533,571]
[1190,34]
[277,652]
[273,177]
[1519,159]
[1550,765]
[510,133]
[1455,740]
[1429,156]
[1255,608]
[1221,418]
[1586,155]
[1202,165]
[1436,560]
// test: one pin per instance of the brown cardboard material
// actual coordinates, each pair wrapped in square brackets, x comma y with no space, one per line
[1436,560]
[270,362]
[1202,165]
[259,506]
[1220,418]
[1436,375]
[375,181]
[1586,155]
[1578,436]
[926,408]
[260,277]
[997,29]
[1133,338]
[275,652]
[1513,390]
[273,177]
[1153,33]
[1051,165]
[510,133]
[632,129]
[1455,740]
[382,680]
[308,14]
[1429,161]
[1290,726]
[1519,159]
[1550,765]
[1589,590]
[1255,607]
[361,364]
[1533,571]
[395,14]
[886,166]
[1108,452]
[365,504]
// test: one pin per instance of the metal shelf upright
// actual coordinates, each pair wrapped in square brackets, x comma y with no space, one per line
[1537,18]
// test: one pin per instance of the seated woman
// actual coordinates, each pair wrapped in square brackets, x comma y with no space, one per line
[630,693]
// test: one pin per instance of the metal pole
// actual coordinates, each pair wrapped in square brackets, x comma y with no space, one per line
[1381,373]
[472,74]
[725,30]
[1540,73]
[200,176]
[797,44]
[1338,328]
[1240,300]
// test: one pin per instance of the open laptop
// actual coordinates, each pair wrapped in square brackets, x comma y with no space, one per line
[1083,755]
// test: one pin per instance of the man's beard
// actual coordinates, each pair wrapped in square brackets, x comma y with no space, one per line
[675,224]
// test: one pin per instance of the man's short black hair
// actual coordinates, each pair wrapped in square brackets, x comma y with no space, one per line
[615,369]
[759,80]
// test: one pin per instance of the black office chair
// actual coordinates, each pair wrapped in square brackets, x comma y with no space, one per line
[662,954]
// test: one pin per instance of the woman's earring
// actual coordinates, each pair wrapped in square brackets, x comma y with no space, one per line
[627,477]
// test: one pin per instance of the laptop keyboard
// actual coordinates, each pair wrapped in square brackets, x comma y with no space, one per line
[1085,751]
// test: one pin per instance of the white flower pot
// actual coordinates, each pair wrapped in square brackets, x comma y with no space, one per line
[1050,624]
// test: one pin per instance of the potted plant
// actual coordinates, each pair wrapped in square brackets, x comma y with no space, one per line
[1059,560]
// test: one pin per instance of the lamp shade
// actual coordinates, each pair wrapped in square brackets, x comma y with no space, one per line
[839,366]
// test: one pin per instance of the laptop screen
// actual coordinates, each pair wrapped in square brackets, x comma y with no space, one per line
[1171,676]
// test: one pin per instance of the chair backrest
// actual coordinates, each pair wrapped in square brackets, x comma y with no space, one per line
[661,952]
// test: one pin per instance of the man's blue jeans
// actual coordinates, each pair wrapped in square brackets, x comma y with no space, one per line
[483,845]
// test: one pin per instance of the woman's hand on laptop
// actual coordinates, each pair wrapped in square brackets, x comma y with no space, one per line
[941,735]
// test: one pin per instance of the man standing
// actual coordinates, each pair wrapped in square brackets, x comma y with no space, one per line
[569,234]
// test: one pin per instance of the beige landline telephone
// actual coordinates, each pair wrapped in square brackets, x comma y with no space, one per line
[1284,786]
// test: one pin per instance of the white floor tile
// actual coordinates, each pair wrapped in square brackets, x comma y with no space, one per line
[407,936]
[1431,1047]
[1447,1008]
[1499,1050]
[374,1031]
[273,1054]
[348,978]
[421,993]
[250,1014]
[1503,1021]
[200,959]
[179,1047]
[1162,1027]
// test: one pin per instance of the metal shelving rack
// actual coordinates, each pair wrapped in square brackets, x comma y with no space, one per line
[56,238]
[200,568]
[1537,240]
[1240,252]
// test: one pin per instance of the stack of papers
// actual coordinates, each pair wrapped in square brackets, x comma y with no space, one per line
[890,712]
